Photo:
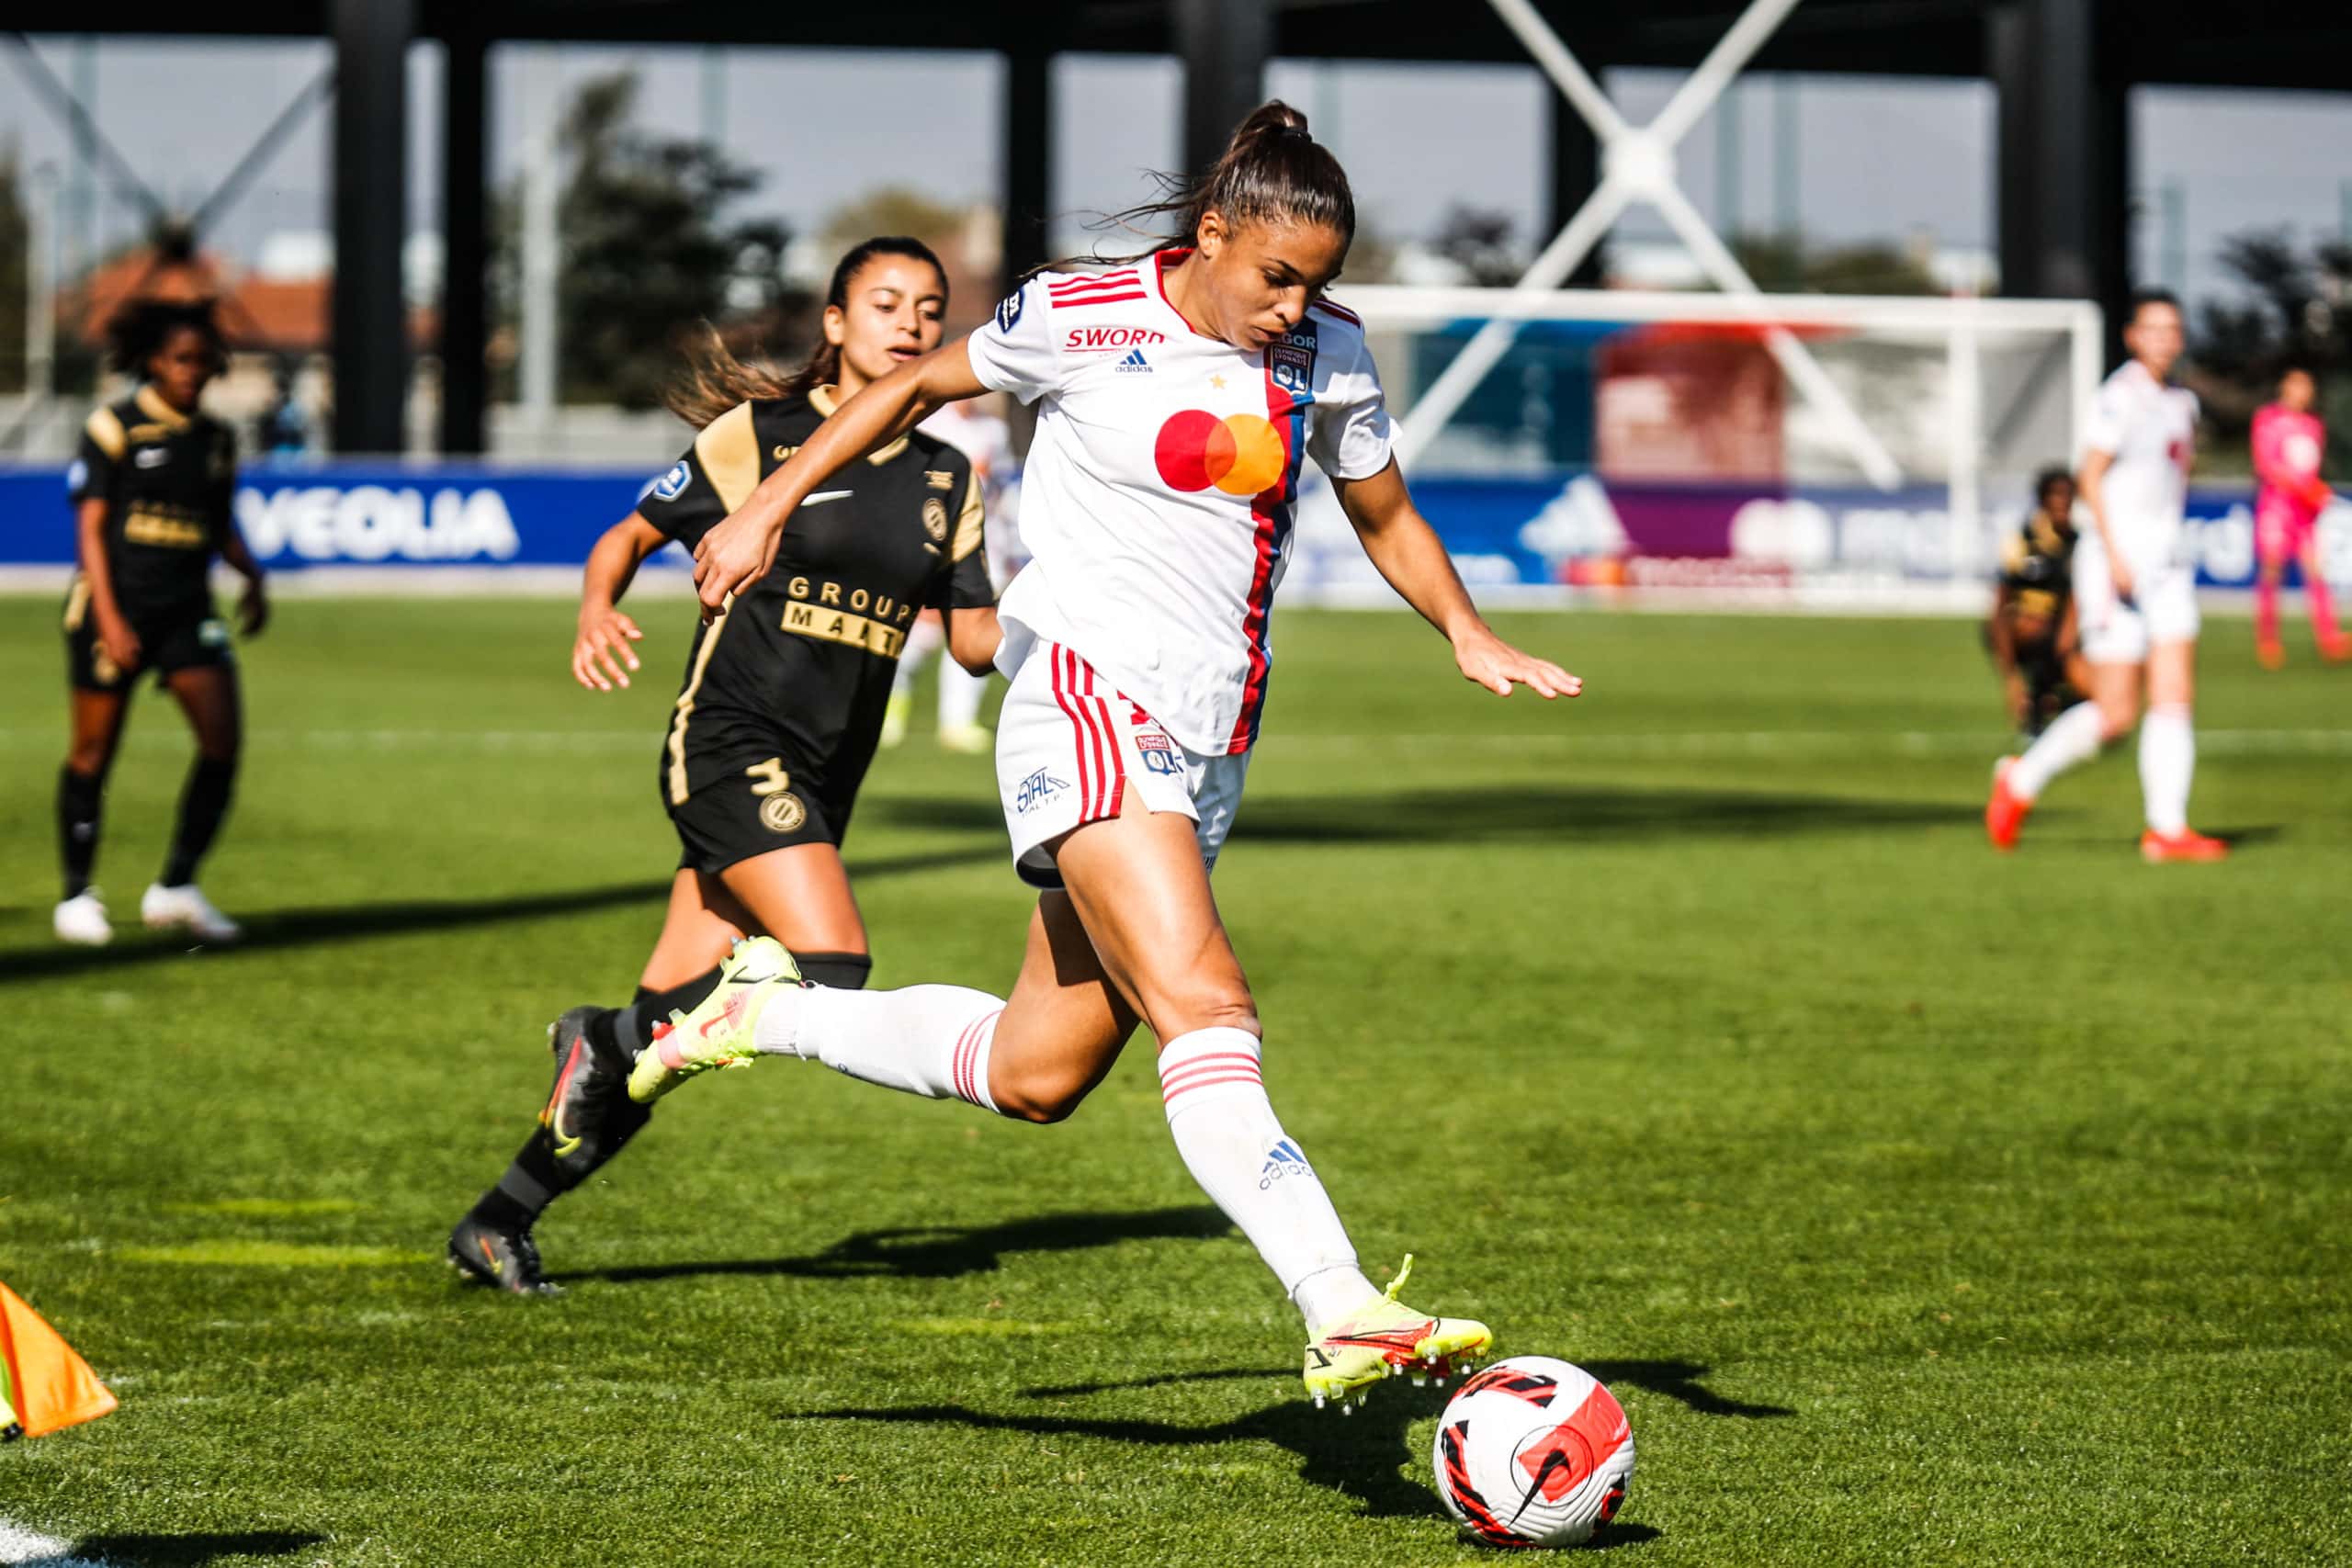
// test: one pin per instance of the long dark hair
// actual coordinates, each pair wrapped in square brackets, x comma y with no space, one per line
[1271,170]
[715,380]
[137,332]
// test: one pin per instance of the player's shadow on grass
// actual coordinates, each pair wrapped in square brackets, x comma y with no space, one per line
[1674,1380]
[279,930]
[1570,813]
[1360,1455]
[1679,1379]
[946,1252]
[190,1548]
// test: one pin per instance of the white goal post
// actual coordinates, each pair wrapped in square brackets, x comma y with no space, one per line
[1924,414]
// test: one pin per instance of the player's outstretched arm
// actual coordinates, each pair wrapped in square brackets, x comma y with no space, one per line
[2001,642]
[1409,553]
[743,547]
[601,645]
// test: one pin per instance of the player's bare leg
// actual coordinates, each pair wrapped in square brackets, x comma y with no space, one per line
[209,697]
[1137,885]
[2333,646]
[2168,758]
[588,1117]
[2268,649]
[1064,1025]
[1137,937]
[2073,739]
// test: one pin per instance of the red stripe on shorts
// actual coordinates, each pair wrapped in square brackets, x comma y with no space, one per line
[1110,741]
[1080,749]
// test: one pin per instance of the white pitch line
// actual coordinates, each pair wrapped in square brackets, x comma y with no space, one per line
[22,1548]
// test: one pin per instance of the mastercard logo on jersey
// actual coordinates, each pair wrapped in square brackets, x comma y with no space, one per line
[1240,454]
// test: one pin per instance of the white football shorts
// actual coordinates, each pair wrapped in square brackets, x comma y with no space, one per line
[2162,608]
[1068,748]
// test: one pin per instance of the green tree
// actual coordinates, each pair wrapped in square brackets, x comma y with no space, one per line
[892,209]
[2294,306]
[1479,243]
[651,249]
[1788,264]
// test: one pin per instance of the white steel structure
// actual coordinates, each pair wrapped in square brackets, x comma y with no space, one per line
[1638,167]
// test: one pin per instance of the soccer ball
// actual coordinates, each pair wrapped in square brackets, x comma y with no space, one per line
[1533,1451]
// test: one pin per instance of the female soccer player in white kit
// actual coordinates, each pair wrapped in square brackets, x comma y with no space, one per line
[2136,597]
[1176,399]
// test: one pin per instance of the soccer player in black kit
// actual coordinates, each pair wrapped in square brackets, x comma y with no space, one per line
[152,488]
[780,711]
[2031,632]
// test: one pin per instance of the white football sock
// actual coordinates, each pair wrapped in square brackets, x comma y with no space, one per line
[926,637]
[932,1041]
[2072,739]
[2167,765]
[1225,1128]
[959,696]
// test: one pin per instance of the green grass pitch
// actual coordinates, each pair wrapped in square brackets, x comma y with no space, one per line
[1922,1206]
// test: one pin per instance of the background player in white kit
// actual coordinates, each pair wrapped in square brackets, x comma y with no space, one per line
[987,440]
[2136,594]
[1177,400]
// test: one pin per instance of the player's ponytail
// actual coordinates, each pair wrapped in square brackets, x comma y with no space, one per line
[1271,170]
[715,380]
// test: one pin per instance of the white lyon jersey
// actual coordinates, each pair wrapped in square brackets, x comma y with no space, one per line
[2149,431]
[1161,490]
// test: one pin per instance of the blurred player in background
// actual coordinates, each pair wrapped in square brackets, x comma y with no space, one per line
[1178,395]
[152,491]
[2136,594]
[781,707]
[2289,441]
[2031,632]
[987,440]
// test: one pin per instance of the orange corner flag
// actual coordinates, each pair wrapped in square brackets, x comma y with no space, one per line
[43,1384]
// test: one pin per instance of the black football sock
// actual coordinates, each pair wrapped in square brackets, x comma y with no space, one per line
[204,801]
[79,799]
[538,1176]
[631,1027]
[532,1182]
[841,971]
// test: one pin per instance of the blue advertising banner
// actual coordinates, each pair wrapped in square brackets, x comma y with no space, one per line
[369,514]
[1566,528]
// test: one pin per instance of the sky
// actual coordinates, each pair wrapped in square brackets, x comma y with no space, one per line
[1855,158]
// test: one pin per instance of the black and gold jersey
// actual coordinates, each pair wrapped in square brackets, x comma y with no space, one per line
[803,658]
[2038,565]
[167,478]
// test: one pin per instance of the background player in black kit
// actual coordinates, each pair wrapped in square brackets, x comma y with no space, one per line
[151,490]
[781,707]
[2031,632]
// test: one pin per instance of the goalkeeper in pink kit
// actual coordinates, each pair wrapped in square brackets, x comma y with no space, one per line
[2287,443]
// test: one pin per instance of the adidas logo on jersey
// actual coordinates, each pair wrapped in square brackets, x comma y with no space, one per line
[1133,363]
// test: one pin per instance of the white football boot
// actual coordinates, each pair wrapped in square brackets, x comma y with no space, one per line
[82,921]
[187,907]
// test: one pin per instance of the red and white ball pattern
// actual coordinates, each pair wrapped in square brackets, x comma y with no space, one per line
[1533,1451]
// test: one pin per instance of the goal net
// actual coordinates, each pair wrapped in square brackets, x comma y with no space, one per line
[1811,448]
